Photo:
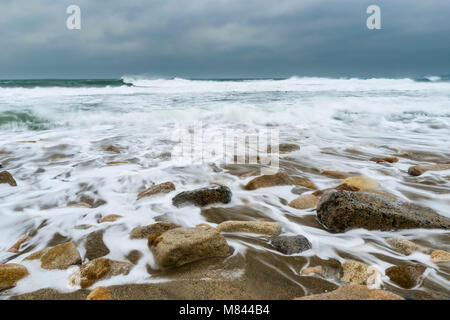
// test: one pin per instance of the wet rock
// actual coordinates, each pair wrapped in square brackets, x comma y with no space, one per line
[354,292]
[406,247]
[95,247]
[61,256]
[406,276]
[258,227]
[362,183]
[305,183]
[344,186]
[340,211]
[335,174]
[134,256]
[287,148]
[419,170]
[99,269]
[385,159]
[305,201]
[156,228]
[438,256]
[356,272]
[290,244]
[15,248]
[165,187]
[83,226]
[317,270]
[6,177]
[113,163]
[299,190]
[10,274]
[180,246]
[87,202]
[99,293]
[240,213]
[203,197]
[111,148]
[110,218]
[266,181]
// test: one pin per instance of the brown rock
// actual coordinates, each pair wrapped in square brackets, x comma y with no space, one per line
[156,228]
[95,247]
[405,246]
[111,148]
[406,276]
[112,163]
[99,293]
[305,182]
[88,202]
[287,148]
[438,256]
[180,246]
[165,187]
[99,269]
[354,292]
[6,177]
[279,179]
[419,170]
[10,274]
[343,186]
[258,227]
[61,256]
[317,270]
[385,159]
[110,218]
[305,201]
[362,183]
[16,246]
[203,197]
[356,272]
[335,174]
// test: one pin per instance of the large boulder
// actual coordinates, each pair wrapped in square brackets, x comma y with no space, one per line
[258,227]
[419,170]
[6,177]
[279,179]
[165,187]
[61,256]
[10,274]
[354,292]
[340,211]
[180,246]
[152,229]
[290,244]
[203,197]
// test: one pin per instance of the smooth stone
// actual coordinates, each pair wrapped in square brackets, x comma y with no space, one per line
[406,276]
[406,247]
[344,187]
[439,256]
[340,211]
[419,170]
[15,248]
[290,244]
[165,187]
[362,183]
[99,293]
[110,218]
[355,272]
[316,270]
[384,159]
[10,274]
[61,256]
[152,229]
[304,201]
[354,292]
[203,197]
[284,148]
[258,227]
[335,174]
[304,182]
[95,247]
[279,179]
[111,148]
[6,177]
[240,213]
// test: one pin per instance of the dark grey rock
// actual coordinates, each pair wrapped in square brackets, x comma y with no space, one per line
[95,247]
[202,197]
[290,244]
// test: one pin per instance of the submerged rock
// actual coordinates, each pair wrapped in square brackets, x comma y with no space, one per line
[6,177]
[287,148]
[180,246]
[88,202]
[305,201]
[316,270]
[335,174]
[362,183]
[340,211]
[356,272]
[99,269]
[10,274]
[385,159]
[15,248]
[258,227]
[156,228]
[61,256]
[111,148]
[406,247]
[279,179]
[165,187]
[110,218]
[95,247]
[99,293]
[304,182]
[406,276]
[438,256]
[419,170]
[203,197]
[354,292]
[290,244]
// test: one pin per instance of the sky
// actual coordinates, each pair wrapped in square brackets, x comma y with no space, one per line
[224,39]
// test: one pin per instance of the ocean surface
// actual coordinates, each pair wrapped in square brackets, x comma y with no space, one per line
[53,134]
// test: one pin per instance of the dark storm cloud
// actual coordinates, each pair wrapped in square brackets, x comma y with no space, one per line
[224,38]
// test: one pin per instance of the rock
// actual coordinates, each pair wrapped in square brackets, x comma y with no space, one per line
[165,187]
[343,186]
[16,246]
[356,272]
[305,183]
[354,292]
[180,246]
[290,244]
[88,202]
[258,227]
[385,159]
[305,201]
[299,190]
[111,148]
[110,218]
[438,256]
[10,274]
[6,177]
[406,276]
[203,197]
[83,226]
[362,183]
[99,293]
[99,269]
[335,174]
[317,270]
[287,148]
[240,213]
[419,170]
[340,211]
[113,163]
[61,256]
[95,247]
[406,247]
[156,228]
[279,179]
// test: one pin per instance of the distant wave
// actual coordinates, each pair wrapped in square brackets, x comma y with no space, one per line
[63,83]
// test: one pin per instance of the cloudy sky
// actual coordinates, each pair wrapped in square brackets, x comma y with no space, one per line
[223,38]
